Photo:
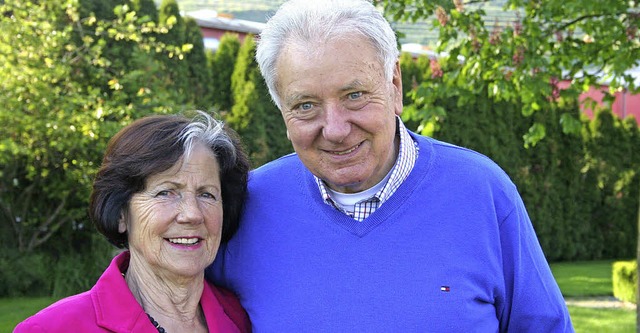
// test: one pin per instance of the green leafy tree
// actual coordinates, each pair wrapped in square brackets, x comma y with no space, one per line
[524,61]
[42,146]
[64,92]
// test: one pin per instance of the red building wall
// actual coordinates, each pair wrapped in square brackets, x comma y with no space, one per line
[625,104]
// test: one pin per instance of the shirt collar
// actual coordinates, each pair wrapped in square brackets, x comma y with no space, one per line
[407,155]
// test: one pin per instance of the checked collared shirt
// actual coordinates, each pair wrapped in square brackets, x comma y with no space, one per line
[408,153]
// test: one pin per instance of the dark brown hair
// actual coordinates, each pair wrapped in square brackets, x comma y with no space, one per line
[154,144]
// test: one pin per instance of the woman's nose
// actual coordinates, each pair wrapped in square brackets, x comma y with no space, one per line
[190,211]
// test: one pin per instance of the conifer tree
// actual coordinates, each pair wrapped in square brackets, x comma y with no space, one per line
[253,114]
[612,165]
[196,60]
[222,64]
[102,9]
[146,8]
[175,39]
[247,114]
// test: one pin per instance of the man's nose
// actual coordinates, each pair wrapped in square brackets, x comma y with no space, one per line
[337,126]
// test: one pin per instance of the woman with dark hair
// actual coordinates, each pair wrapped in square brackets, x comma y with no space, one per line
[169,191]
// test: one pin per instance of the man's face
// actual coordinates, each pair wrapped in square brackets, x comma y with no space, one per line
[340,111]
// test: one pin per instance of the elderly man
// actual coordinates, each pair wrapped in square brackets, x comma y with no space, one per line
[369,227]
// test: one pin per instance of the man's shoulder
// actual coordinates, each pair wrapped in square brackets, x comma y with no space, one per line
[284,164]
[454,157]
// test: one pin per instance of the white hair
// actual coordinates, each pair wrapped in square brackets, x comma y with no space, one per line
[315,22]
[204,128]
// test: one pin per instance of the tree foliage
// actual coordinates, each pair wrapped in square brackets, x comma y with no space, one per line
[68,81]
[488,84]
[177,68]
[197,65]
[247,115]
[581,42]
[145,9]
[580,190]
[73,72]
[253,115]
[222,64]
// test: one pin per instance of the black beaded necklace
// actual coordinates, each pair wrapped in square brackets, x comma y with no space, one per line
[153,321]
[155,324]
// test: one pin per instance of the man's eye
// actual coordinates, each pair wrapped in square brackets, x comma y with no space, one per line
[355,95]
[305,106]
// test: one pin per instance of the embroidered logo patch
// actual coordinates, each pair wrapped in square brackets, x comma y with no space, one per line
[445,289]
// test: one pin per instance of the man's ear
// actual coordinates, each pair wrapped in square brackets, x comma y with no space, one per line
[397,84]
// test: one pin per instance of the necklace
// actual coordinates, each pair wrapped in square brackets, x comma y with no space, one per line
[153,321]
[155,324]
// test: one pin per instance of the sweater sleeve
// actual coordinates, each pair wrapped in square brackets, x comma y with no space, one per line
[532,301]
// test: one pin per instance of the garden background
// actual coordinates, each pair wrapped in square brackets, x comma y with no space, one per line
[73,72]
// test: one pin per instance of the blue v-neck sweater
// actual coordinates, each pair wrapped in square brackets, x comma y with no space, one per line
[452,250]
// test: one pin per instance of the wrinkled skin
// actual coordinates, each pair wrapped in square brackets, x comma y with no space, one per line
[340,111]
[183,203]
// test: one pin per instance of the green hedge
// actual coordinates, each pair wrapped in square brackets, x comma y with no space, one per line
[625,280]
[581,190]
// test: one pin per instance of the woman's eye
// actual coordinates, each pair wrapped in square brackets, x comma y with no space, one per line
[355,95]
[210,196]
[162,193]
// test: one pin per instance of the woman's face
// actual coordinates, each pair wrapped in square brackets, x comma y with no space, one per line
[175,223]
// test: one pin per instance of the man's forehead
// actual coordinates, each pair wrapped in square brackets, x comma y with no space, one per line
[302,92]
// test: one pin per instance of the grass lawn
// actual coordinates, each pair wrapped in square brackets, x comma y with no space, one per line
[584,278]
[591,320]
[15,310]
[592,278]
[576,279]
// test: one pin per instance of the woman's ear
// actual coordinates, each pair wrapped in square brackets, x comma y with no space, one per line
[122,224]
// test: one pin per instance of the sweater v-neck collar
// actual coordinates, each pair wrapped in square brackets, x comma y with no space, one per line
[360,229]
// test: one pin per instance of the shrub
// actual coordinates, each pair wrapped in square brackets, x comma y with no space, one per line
[625,280]
[24,275]
[77,271]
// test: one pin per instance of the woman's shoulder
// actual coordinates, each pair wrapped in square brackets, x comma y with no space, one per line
[58,316]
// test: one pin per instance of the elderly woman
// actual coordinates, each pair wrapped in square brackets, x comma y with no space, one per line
[170,191]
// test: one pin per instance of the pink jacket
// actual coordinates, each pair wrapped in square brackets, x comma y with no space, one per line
[110,307]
